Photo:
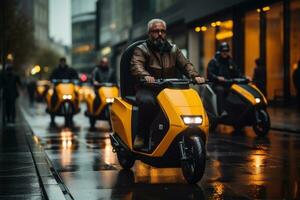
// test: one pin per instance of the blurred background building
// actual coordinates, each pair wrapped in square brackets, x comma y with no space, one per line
[37,11]
[84,53]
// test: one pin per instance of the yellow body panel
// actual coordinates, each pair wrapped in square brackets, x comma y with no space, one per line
[40,89]
[247,94]
[175,103]
[48,97]
[121,120]
[61,89]
[254,86]
[106,92]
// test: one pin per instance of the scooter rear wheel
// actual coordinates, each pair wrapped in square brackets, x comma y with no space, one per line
[193,167]
[125,159]
[261,124]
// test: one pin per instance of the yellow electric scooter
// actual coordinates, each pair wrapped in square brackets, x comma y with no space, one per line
[245,105]
[62,100]
[178,133]
[99,105]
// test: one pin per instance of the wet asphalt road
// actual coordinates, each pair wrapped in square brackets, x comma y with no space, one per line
[239,165]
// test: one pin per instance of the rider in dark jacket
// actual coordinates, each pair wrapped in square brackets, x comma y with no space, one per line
[102,73]
[219,69]
[63,71]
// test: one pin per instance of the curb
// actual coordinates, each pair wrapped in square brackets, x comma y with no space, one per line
[50,182]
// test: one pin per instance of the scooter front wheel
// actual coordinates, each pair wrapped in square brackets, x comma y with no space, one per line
[125,159]
[193,165]
[261,124]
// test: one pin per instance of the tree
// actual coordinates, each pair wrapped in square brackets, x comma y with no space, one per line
[46,57]
[17,30]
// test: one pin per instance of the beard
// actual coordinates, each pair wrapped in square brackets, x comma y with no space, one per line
[159,42]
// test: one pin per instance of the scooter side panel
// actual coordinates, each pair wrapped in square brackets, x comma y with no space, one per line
[120,114]
[247,94]
[176,103]
[263,96]
[244,93]
[106,92]
[90,97]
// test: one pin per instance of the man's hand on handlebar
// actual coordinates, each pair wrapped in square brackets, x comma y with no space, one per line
[199,80]
[221,79]
[149,79]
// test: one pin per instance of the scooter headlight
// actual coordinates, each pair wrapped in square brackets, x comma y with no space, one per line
[257,100]
[192,120]
[109,100]
[67,96]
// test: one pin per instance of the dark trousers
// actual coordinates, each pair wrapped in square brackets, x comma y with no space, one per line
[221,93]
[146,100]
[10,109]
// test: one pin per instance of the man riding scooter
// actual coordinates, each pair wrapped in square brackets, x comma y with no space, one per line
[156,58]
[62,72]
[105,89]
[220,69]
[233,100]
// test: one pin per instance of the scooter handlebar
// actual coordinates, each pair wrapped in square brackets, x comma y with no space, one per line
[163,81]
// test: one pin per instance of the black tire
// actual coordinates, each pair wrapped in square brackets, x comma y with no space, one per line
[92,122]
[68,114]
[193,168]
[52,116]
[261,122]
[125,159]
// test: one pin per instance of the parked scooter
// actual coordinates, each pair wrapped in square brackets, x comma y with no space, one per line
[245,105]
[178,133]
[62,100]
[41,89]
[99,105]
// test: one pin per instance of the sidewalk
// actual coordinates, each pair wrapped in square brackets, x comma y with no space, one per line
[285,118]
[24,170]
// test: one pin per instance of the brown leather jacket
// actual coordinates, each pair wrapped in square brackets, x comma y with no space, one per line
[148,62]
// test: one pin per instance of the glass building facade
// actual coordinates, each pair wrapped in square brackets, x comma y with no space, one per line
[84,55]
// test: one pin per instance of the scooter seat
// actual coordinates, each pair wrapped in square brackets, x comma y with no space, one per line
[131,100]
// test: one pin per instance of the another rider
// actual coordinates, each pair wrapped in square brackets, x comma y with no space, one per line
[103,73]
[63,71]
[154,59]
[220,69]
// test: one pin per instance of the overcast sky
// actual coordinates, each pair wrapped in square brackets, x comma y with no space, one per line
[60,20]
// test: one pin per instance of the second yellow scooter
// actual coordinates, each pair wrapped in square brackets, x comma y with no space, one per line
[99,102]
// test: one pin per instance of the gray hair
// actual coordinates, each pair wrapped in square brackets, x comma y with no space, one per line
[152,21]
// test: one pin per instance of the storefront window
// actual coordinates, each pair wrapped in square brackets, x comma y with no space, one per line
[224,31]
[251,41]
[274,45]
[295,40]
[209,46]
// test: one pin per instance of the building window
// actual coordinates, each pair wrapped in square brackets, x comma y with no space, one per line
[209,46]
[294,40]
[274,50]
[251,41]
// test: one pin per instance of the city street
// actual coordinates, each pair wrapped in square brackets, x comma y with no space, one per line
[239,165]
